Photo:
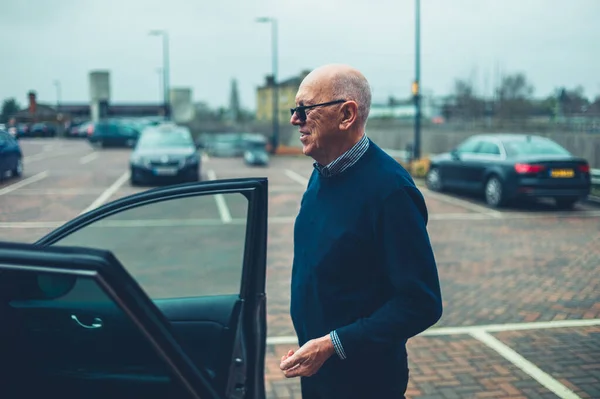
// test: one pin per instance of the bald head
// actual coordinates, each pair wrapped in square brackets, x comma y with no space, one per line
[338,81]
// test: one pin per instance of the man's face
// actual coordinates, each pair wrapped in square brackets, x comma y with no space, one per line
[320,127]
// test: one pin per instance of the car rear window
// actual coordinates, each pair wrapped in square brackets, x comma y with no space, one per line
[534,147]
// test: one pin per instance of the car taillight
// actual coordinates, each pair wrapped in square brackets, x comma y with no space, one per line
[584,168]
[90,130]
[525,168]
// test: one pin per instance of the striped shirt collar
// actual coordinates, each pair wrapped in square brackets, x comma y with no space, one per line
[345,160]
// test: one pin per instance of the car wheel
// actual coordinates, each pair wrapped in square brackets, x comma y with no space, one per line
[494,192]
[565,203]
[433,180]
[18,170]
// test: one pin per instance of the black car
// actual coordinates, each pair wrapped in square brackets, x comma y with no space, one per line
[507,167]
[11,156]
[107,306]
[255,153]
[42,130]
[165,153]
[112,133]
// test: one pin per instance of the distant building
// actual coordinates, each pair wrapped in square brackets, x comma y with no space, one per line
[42,112]
[100,105]
[287,95]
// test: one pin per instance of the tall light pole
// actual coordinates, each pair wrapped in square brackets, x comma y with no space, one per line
[57,85]
[166,90]
[416,84]
[160,72]
[275,92]
[59,116]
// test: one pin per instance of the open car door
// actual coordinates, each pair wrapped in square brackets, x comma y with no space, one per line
[156,295]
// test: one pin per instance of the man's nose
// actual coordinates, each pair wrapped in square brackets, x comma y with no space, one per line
[294,120]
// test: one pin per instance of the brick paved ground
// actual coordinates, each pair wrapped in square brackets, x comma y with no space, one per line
[572,356]
[493,270]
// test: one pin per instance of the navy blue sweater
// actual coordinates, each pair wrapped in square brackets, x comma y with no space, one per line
[364,267]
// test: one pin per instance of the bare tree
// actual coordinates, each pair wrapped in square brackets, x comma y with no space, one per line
[466,104]
[514,97]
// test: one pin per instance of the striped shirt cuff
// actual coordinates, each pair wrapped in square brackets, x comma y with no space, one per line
[337,344]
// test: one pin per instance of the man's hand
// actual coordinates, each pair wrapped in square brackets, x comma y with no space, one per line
[307,360]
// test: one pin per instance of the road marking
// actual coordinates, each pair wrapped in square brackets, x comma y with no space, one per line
[463,204]
[220,200]
[296,177]
[107,193]
[45,155]
[30,225]
[461,330]
[525,365]
[537,325]
[24,182]
[58,191]
[220,221]
[88,158]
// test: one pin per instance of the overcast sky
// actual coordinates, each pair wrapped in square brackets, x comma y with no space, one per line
[555,42]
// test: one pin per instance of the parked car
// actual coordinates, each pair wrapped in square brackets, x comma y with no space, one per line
[255,153]
[226,145]
[82,326]
[165,153]
[42,130]
[112,133]
[78,130]
[19,130]
[509,167]
[11,157]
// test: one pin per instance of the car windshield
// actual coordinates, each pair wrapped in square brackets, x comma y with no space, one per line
[534,147]
[170,139]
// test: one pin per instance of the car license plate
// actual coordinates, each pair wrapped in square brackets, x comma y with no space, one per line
[564,173]
[165,171]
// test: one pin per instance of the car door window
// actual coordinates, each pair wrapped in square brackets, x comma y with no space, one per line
[182,247]
[468,147]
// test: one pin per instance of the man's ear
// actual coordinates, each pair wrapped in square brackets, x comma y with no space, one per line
[349,114]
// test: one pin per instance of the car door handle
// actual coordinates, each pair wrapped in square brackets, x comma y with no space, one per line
[96,324]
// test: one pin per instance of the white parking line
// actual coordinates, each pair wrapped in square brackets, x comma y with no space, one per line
[525,365]
[462,203]
[24,182]
[88,158]
[225,217]
[220,200]
[462,330]
[296,177]
[58,191]
[30,225]
[45,155]
[107,193]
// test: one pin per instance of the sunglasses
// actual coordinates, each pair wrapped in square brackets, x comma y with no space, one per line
[301,110]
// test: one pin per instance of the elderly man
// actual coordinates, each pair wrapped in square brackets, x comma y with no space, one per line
[364,276]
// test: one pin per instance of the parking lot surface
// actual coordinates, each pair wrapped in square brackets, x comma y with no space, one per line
[521,286]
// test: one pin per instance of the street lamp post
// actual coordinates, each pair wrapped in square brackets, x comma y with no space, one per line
[416,89]
[57,85]
[165,68]
[275,92]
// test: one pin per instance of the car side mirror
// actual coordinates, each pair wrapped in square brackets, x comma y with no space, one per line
[455,154]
